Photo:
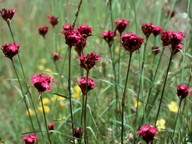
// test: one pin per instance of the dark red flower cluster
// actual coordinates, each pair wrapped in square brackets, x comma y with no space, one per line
[183,91]
[147,132]
[86,84]
[77,36]
[30,138]
[131,41]
[174,39]
[10,50]
[53,20]
[7,14]
[171,13]
[41,82]
[43,30]
[51,126]
[87,61]
[149,28]
[108,36]
[78,132]
[56,56]
[121,25]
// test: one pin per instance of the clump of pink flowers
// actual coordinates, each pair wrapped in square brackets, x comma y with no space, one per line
[86,84]
[30,138]
[131,42]
[43,30]
[121,25]
[51,126]
[10,50]
[42,82]
[183,91]
[147,132]
[87,61]
[7,14]
[53,20]
[85,30]
[149,28]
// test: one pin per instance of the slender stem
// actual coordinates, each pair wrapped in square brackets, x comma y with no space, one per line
[179,111]
[119,62]
[69,89]
[111,14]
[45,119]
[115,78]
[24,98]
[77,13]
[9,26]
[85,109]
[164,84]
[141,77]
[123,99]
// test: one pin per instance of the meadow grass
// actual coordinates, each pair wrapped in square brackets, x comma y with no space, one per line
[103,115]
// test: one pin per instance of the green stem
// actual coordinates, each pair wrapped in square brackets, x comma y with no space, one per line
[111,15]
[24,98]
[69,89]
[164,84]
[123,99]
[45,119]
[77,13]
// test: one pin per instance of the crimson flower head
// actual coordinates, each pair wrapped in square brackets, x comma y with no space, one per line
[85,30]
[53,20]
[67,27]
[156,30]
[121,24]
[80,45]
[51,126]
[86,84]
[108,36]
[183,91]
[7,14]
[78,132]
[177,37]
[41,82]
[10,50]
[171,13]
[56,56]
[87,61]
[72,37]
[155,50]
[30,138]
[43,30]
[131,41]
[147,132]
[166,38]
[147,29]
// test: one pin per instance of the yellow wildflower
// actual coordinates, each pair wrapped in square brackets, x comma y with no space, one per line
[47,108]
[58,98]
[40,67]
[160,124]
[48,71]
[136,102]
[43,61]
[173,107]
[30,111]
[46,101]
[76,92]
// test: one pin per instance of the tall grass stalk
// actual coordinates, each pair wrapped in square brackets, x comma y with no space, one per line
[123,98]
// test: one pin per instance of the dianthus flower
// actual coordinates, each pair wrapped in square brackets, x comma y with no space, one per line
[43,30]
[30,138]
[80,45]
[85,30]
[156,30]
[147,29]
[183,91]
[10,50]
[41,82]
[53,20]
[176,39]
[108,36]
[121,24]
[56,56]
[87,61]
[51,126]
[86,84]
[66,27]
[131,41]
[172,13]
[7,14]
[147,132]
[78,132]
